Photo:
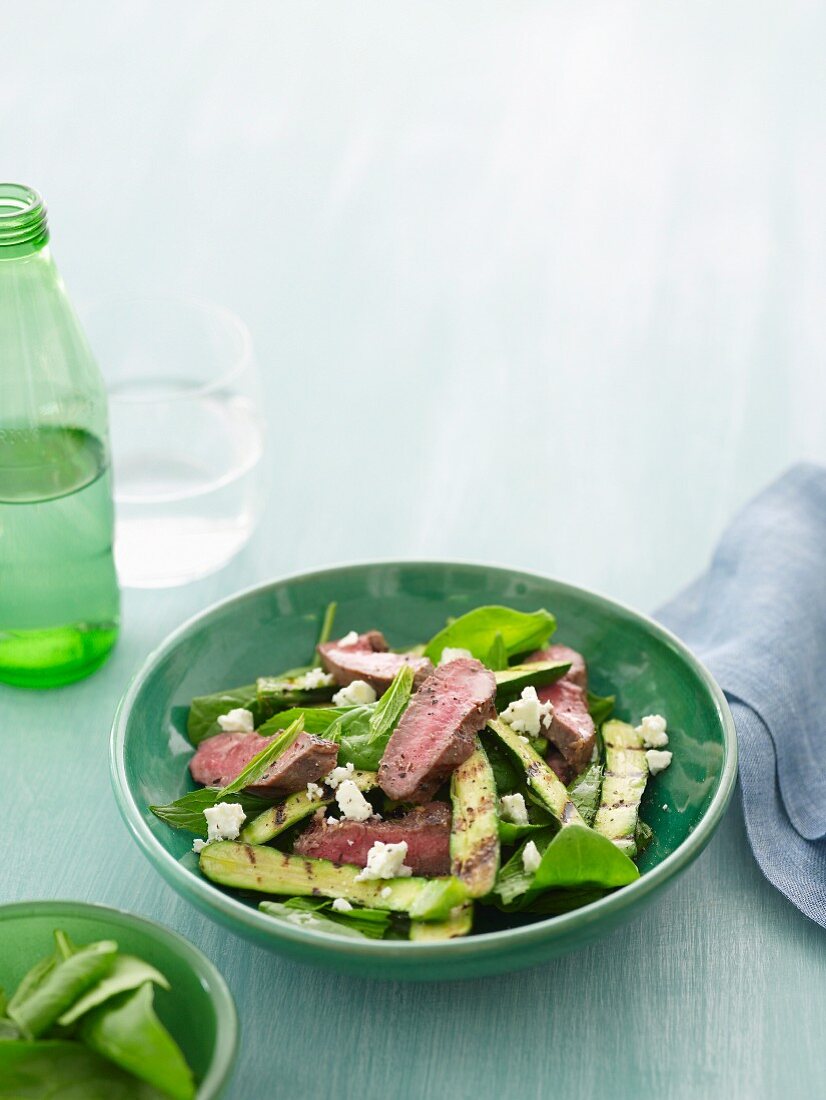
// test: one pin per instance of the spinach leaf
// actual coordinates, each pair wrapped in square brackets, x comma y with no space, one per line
[317,720]
[187,812]
[585,791]
[521,631]
[511,834]
[497,657]
[364,748]
[54,1068]
[262,760]
[205,710]
[126,1031]
[574,857]
[368,922]
[309,918]
[127,973]
[600,707]
[60,986]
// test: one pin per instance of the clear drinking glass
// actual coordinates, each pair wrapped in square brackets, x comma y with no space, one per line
[187,437]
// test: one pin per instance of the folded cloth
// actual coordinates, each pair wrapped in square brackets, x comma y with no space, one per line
[757,619]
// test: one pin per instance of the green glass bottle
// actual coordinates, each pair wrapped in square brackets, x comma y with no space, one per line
[59,602]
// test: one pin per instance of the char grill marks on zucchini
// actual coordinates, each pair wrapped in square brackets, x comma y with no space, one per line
[626,773]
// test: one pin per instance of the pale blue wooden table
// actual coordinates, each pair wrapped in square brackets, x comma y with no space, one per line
[548,279]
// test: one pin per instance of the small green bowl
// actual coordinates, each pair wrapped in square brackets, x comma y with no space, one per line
[198,1009]
[274,627]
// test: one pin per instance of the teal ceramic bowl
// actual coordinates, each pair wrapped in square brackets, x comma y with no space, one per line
[198,1009]
[274,627]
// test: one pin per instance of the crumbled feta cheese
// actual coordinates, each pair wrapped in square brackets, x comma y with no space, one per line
[514,809]
[658,761]
[352,803]
[332,821]
[239,720]
[198,845]
[341,905]
[338,775]
[528,715]
[453,653]
[349,639]
[531,858]
[385,861]
[224,821]
[386,892]
[354,695]
[665,805]
[315,678]
[652,731]
[522,737]
[314,792]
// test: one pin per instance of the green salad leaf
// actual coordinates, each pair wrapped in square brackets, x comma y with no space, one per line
[327,623]
[364,748]
[585,791]
[262,761]
[476,631]
[187,812]
[55,1068]
[317,720]
[59,986]
[497,657]
[128,972]
[600,707]
[572,858]
[205,710]
[372,923]
[126,1031]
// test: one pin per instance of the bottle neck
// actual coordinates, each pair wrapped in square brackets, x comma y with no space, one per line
[23,225]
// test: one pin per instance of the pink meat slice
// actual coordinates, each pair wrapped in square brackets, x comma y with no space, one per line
[221,758]
[436,731]
[577,673]
[426,830]
[369,659]
[572,728]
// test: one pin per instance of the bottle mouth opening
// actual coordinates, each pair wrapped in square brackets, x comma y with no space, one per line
[23,222]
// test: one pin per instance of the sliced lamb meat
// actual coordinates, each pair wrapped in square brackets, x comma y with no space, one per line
[426,829]
[436,731]
[577,673]
[221,758]
[572,728]
[368,658]
[563,771]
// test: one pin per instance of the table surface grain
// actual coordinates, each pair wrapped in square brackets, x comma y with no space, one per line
[555,274]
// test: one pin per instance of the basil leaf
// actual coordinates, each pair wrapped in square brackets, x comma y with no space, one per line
[187,812]
[511,834]
[126,1031]
[262,760]
[308,918]
[368,922]
[476,631]
[327,622]
[54,1068]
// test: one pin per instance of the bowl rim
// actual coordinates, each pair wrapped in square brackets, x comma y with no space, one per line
[235,912]
[209,976]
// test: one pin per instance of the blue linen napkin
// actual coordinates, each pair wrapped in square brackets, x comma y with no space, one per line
[757,619]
